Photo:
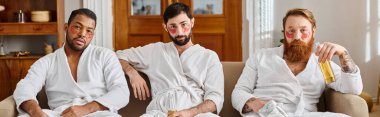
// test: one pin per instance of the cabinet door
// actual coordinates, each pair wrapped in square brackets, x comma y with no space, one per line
[11,72]
[23,68]
[15,70]
[5,80]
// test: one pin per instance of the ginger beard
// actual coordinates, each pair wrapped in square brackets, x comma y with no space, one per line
[297,50]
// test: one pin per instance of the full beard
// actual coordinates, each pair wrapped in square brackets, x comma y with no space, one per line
[298,51]
[70,43]
[183,42]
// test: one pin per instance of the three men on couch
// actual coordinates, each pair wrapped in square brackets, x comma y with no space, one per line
[186,79]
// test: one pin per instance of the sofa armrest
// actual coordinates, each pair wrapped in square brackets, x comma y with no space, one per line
[352,105]
[8,107]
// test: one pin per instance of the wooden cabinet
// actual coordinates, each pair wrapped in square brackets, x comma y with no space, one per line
[12,68]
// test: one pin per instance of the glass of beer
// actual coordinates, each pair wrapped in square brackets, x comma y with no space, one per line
[326,69]
[172,107]
[171,112]
[327,72]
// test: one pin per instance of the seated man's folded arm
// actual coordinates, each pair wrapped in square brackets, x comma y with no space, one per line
[27,88]
[139,58]
[348,78]
[118,93]
[243,91]
[214,88]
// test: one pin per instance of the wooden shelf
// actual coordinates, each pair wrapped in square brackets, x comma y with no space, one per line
[16,23]
[21,57]
[28,28]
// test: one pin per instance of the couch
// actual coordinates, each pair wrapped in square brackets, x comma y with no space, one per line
[332,101]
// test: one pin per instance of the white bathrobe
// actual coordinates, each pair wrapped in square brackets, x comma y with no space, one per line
[266,76]
[178,81]
[99,78]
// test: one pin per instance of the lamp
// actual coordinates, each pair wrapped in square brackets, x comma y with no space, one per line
[2,8]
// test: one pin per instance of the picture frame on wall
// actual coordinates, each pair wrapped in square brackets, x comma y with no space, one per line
[145,7]
[208,7]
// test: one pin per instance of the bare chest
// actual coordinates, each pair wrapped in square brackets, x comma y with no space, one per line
[73,68]
[297,67]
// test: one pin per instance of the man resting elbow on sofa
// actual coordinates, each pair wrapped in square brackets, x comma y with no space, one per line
[287,80]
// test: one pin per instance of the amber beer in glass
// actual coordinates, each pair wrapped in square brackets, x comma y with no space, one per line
[171,112]
[327,72]
[326,69]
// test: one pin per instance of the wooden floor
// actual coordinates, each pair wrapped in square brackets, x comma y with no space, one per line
[375,110]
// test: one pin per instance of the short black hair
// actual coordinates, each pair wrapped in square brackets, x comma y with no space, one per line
[82,11]
[176,9]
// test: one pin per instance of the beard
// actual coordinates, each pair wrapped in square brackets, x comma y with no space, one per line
[181,42]
[70,43]
[298,51]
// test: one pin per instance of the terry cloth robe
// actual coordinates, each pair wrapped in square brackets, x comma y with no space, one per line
[178,81]
[266,76]
[100,78]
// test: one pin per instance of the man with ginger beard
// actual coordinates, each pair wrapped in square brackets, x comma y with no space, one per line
[289,77]
[186,78]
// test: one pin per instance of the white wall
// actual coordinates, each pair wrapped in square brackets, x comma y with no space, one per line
[71,5]
[353,24]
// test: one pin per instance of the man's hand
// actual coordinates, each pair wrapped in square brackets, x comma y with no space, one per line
[254,105]
[204,107]
[75,111]
[79,111]
[140,87]
[326,51]
[38,113]
[185,113]
[32,108]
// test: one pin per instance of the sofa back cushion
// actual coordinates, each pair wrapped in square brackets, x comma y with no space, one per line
[232,72]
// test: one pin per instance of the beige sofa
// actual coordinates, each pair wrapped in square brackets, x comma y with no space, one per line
[332,101]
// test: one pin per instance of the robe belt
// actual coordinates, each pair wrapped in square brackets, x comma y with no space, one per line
[296,101]
[179,88]
[82,100]
[76,101]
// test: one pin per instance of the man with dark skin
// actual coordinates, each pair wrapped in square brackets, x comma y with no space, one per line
[79,79]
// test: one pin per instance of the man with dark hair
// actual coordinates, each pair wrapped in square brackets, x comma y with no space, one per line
[186,79]
[288,80]
[79,79]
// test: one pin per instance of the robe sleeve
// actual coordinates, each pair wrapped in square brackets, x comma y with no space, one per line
[214,83]
[346,82]
[33,82]
[243,90]
[139,57]
[118,93]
